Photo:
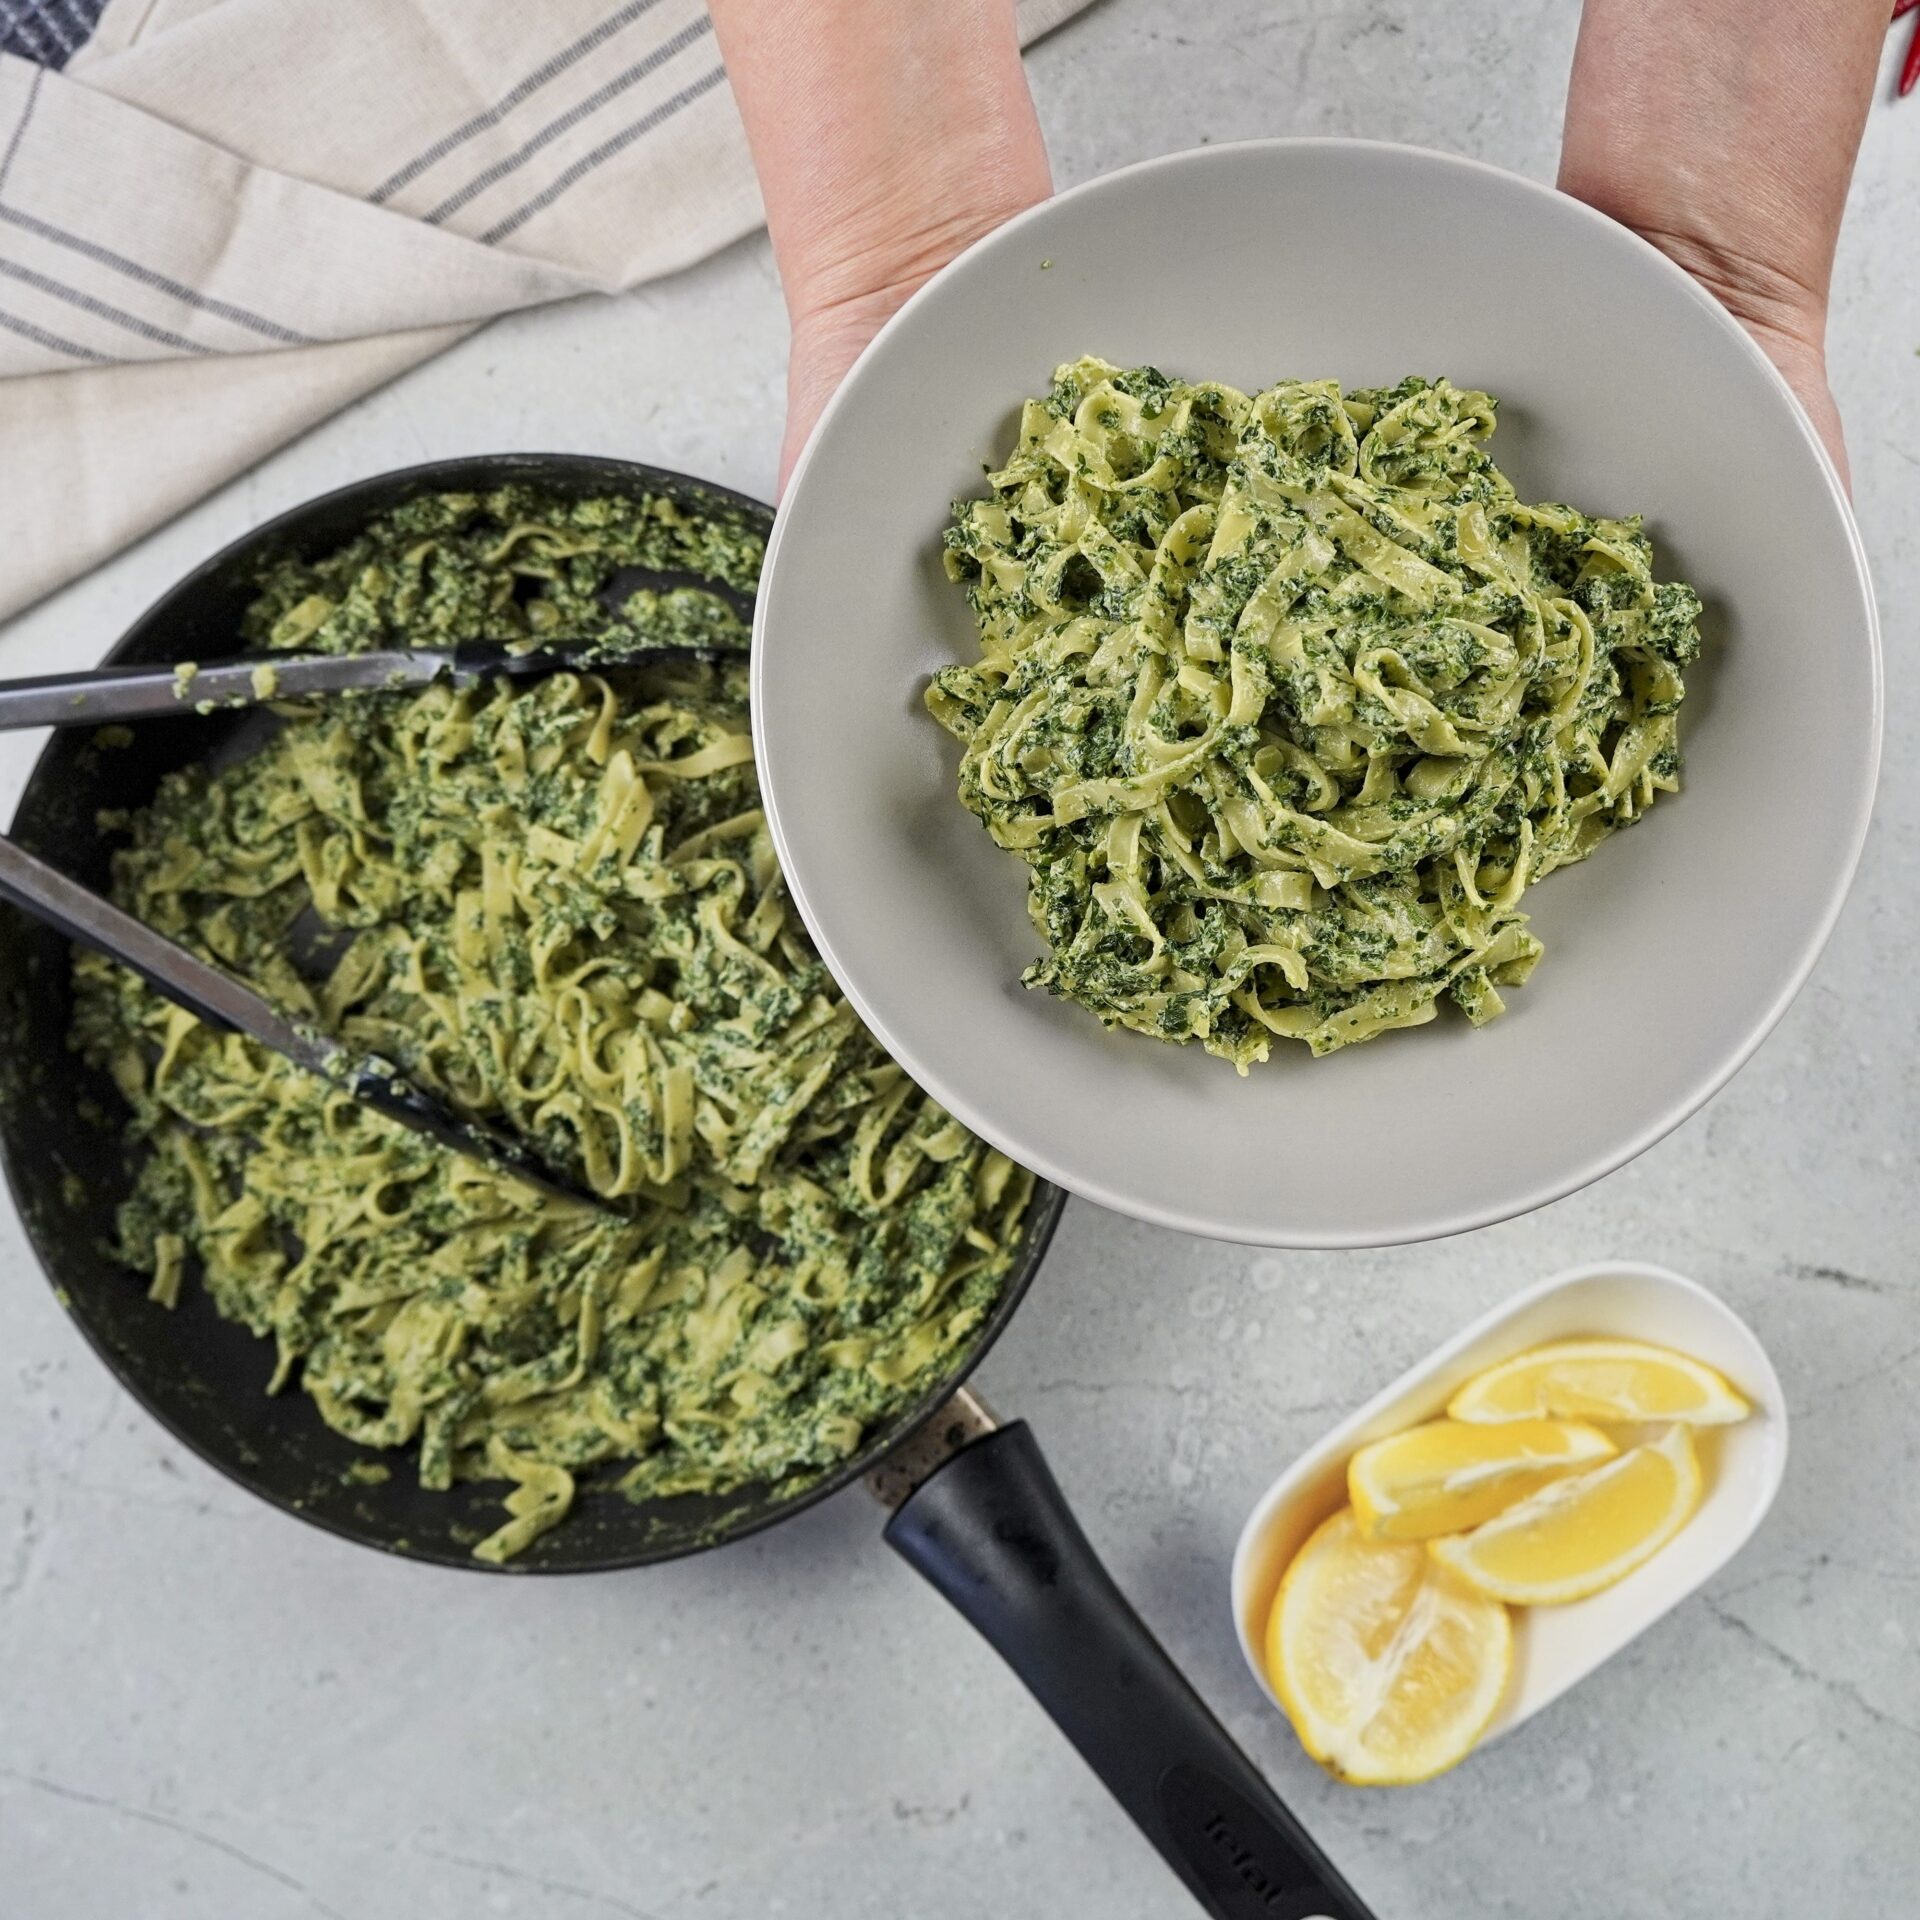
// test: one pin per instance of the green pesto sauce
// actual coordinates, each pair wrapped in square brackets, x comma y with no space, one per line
[1285,700]
[555,903]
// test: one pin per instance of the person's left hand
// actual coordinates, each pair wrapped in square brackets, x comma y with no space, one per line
[1786,319]
[1724,132]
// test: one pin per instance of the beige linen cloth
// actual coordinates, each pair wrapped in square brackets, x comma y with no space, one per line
[228,219]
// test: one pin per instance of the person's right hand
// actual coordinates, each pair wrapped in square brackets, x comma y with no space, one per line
[830,334]
[888,135]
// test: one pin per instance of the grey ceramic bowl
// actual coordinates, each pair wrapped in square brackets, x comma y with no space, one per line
[1624,388]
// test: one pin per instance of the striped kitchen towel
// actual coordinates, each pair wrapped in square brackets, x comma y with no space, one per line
[223,220]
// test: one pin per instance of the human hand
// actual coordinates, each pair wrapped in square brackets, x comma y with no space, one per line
[831,328]
[1787,320]
[1724,131]
[888,135]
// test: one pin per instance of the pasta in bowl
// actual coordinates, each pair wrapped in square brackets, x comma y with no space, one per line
[1285,701]
[1669,953]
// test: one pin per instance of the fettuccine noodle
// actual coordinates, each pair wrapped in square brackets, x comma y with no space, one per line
[1286,701]
[556,903]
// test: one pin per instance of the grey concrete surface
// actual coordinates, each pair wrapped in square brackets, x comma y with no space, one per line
[208,1711]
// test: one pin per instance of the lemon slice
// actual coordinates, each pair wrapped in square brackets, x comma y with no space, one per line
[1583,1532]
[1445,1477]
[1600,1380]
[1389,1668]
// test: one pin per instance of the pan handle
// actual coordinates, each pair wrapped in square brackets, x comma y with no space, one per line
[991,1529]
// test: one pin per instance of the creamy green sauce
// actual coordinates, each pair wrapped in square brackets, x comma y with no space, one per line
[555,903]
[1286,700]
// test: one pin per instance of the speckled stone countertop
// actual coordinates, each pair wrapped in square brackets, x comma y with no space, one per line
[209,1711]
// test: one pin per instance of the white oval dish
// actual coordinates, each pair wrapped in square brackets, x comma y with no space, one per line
[1624,387]
[1554,1647]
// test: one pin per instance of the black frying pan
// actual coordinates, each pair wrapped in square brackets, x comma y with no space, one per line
[976,1509]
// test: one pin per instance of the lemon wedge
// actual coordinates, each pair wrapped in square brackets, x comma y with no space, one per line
[1600,1380]
[1445,1477]
[1583,1532]
[1389,1667]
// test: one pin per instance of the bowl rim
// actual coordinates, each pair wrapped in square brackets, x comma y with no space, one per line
[1762,1386]
[1036,1152]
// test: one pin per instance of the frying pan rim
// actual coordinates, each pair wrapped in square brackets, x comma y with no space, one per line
[464,472]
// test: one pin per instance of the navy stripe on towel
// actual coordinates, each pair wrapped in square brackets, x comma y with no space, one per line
[47,32]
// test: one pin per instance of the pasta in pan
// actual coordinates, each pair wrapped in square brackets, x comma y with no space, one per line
[555,902]
[1286,700]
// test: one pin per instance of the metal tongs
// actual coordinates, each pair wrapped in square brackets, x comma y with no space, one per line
[148,692]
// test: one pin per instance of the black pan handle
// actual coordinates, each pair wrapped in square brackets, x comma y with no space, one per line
[992,1530]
